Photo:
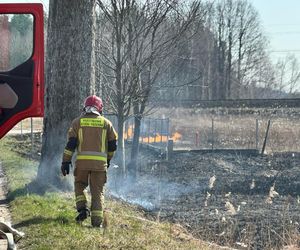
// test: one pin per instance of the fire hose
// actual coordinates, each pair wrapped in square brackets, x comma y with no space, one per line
[11,235]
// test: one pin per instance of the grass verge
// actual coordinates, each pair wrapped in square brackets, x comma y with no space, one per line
[48,220]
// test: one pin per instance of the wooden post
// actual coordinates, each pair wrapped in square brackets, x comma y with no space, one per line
[266,137]
[22,128]
[159,190]
[31,127]
[142,130]
[161,130]
[212,133]
[170,147]
[149,130]
[126,130]
[256,135]
[197,139]
[168,130]
[155,130]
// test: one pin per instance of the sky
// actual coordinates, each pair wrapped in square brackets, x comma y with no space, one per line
[281,22]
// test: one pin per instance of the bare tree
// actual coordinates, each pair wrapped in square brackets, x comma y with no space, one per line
[70,76]
[191,71]
[162,30]
[114,53]
[241,44]
[288,74]
[135,50]
[220,31]
[251,44]
[263,80]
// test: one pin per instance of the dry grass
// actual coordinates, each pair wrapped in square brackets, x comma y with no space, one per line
[235,130]
[230,130]
[48,219]
[25,125]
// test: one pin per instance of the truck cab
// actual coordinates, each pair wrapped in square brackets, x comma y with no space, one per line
[21,63]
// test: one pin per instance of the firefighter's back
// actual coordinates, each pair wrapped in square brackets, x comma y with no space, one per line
[92,142]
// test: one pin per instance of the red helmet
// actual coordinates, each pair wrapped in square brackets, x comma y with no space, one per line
[94,101]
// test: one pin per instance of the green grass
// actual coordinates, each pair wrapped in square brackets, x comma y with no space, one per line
[48,220]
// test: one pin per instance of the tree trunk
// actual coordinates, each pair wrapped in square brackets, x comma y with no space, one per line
[70,77]
[239,76]
[135,146]
[221,72]
[121,145]
[229,63]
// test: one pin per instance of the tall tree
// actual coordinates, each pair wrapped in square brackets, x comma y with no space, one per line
[153,51]
[241,44]
[21,35]
[114,53]
[135,50]
[288,74]
[70,76]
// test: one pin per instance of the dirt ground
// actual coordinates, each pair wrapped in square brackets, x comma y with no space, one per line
[242,201]
[4,212]
[247,202]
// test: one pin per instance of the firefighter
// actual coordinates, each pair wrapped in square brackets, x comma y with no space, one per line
[95,140]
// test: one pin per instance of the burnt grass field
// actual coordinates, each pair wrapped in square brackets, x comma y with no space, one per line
[247,202]
[238,200]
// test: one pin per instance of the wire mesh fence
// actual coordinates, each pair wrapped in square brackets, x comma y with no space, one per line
[203,132]
[237,132]
[155,131]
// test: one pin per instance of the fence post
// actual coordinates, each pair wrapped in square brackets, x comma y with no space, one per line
[161,131]
[170,147]
[266,137]
[159,190]
[149,130]
[126,129]
[31,129]
[168,132]
[256,135]
[155,131]
[197,139]
[22,128]
[142,127]
[212,133]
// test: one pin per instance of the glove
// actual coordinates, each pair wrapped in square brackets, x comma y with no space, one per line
[108,163]
[65,168]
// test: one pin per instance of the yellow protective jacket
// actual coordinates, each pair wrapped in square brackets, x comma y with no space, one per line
[90,134]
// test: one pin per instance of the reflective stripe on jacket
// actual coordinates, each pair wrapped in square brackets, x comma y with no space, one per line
[92,133]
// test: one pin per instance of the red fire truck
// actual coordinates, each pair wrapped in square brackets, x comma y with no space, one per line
[21,63]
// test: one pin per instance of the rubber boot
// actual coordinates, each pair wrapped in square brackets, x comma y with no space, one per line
[83,214]
[96,221]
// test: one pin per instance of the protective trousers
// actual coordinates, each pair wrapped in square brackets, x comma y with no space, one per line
[96,181]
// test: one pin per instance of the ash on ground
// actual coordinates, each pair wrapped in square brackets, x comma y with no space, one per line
[247,202]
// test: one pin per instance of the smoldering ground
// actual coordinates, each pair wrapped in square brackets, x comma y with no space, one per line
[148,191]
[234,200]
[238,200]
